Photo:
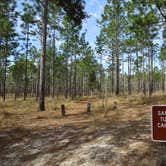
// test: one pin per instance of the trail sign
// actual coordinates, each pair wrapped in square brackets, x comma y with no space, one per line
[159,123]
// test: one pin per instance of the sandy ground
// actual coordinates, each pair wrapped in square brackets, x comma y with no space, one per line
[123,138]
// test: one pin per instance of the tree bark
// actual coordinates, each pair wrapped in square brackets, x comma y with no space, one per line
[138,74]
[143,65]
[163,76]
[53,65]
[74,93]
[117,70]
[5,70]
[151,71]
[26,61]
[66,78]
[70,78]
[43,58]
[129,74]
[112,74]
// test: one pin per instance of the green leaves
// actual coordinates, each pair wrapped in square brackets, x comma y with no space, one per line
[161,5]
[162,55]
[74,9]
[7,27]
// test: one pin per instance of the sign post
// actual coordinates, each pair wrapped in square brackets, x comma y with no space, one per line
[159,123]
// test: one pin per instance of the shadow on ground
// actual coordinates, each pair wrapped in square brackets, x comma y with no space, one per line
[122,138]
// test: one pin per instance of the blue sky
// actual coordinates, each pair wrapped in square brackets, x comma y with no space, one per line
[94,8]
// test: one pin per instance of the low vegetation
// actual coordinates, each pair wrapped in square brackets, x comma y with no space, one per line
[121,137]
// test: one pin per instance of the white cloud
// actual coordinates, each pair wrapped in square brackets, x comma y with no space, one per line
[95,15]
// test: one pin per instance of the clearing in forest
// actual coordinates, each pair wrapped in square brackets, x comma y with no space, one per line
[123,137]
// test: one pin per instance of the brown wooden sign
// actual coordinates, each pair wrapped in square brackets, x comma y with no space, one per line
[159,123]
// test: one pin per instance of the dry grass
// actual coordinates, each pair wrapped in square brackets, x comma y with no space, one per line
[20,112]
[17,112]
[140,99]
[127,125]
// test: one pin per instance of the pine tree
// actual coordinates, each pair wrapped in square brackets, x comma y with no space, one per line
[112,23]
[28,21]
[8,36]
[74,10]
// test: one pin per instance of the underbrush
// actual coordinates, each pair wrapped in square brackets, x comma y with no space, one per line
[105,106]
[98,106]
[156,98]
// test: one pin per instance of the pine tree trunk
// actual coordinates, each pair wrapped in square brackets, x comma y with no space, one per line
[112,73]
[137,68]
[26,61]
[129,74]
[101,76]
[83,85]
[43,58]
[37,82]
[66,79]
[152,79]
[117,69]
[5,70]
[70,79]
[123,71]
[74,93]
[53,65]
[150,71]
[144,85]
[163,76]
[16,89]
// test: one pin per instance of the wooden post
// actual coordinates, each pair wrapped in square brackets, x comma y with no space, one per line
[63,109]
[88,108]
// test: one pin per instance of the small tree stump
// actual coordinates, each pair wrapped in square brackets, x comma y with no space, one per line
[63,109]
[88,108]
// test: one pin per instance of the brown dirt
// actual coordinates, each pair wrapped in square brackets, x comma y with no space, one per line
[28,137]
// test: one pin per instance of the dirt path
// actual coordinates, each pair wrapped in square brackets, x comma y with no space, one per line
[39,139]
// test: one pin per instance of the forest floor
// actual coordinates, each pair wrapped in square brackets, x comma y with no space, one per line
[122,138]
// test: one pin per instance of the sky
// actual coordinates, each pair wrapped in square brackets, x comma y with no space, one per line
[94,8]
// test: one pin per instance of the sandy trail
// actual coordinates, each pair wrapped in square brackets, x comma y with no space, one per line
[39,139]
